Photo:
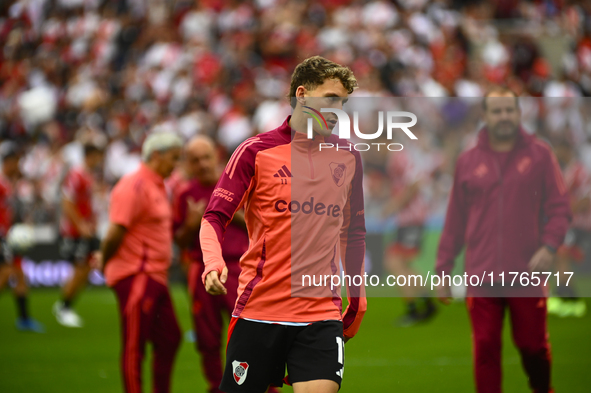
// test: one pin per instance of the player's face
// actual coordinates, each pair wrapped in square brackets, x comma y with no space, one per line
[330,94]
[201,163]
[502,116]
[168,160]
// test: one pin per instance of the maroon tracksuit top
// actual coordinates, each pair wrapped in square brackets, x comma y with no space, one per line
[503,207]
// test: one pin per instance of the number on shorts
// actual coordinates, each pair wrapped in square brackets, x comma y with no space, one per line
[341,349]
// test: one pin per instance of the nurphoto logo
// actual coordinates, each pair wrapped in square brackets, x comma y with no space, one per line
[344,128]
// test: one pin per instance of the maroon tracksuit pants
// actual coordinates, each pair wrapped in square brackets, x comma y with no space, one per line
[147,314]
[207,311]
[530,335]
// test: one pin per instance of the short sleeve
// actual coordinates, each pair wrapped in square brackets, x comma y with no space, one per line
[126,203]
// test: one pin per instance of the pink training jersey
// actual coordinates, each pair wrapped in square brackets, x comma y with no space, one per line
[140,204]
[304,213]
[77,188]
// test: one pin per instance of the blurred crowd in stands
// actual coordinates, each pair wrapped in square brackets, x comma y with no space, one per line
[111,72]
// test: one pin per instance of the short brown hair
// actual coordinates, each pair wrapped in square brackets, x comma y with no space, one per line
[501,90]
[313,71]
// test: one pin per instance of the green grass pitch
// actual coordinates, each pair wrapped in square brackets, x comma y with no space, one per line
[435,357]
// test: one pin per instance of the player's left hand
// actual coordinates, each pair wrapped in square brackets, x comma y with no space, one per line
[541,261]
[214,285]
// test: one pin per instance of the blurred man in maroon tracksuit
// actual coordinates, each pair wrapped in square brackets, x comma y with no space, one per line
[510,207]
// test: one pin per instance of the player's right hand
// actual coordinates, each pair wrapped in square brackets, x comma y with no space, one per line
[214,284]
[444,294]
